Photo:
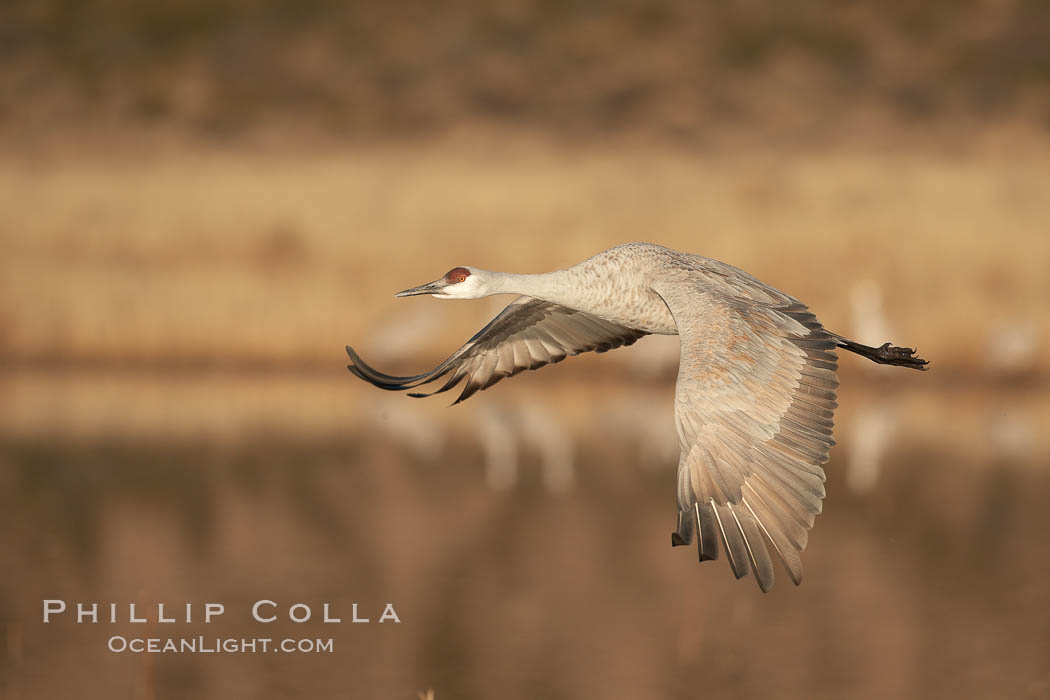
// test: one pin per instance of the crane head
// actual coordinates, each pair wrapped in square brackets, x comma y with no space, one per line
[458,283]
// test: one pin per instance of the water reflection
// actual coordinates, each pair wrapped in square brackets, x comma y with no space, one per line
[541,571]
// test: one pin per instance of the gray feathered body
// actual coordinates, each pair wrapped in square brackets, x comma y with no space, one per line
[754,397]
[620,284]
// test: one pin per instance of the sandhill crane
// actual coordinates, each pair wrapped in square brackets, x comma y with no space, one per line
[754,398]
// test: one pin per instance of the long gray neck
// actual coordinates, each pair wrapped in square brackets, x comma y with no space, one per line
[558,287]
[624,298]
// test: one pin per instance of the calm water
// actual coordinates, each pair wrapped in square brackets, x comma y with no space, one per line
[523,539]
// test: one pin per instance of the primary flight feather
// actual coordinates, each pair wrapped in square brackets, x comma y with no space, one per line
[755,394]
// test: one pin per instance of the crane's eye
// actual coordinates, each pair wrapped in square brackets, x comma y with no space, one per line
[457,275]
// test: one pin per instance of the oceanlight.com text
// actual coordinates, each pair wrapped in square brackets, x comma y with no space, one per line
[218,645]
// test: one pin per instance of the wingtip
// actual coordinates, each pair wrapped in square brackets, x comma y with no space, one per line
[765,584]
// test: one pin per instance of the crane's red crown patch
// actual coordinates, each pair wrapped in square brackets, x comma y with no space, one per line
[457,275]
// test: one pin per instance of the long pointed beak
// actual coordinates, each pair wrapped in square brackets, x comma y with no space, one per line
[434,287]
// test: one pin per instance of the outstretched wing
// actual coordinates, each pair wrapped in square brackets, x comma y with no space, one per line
[753,404]
[528,334]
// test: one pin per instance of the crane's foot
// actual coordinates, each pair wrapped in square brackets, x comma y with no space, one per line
[902,357]
[886,354]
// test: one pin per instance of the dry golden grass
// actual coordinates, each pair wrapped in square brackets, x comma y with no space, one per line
[237,256]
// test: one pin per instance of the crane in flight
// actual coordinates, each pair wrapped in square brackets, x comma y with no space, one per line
[754,398]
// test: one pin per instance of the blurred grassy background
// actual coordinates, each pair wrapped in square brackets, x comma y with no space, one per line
[199,258]
[202,202]
[654,66]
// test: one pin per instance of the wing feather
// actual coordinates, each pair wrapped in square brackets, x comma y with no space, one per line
[754,404]
[528,334]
